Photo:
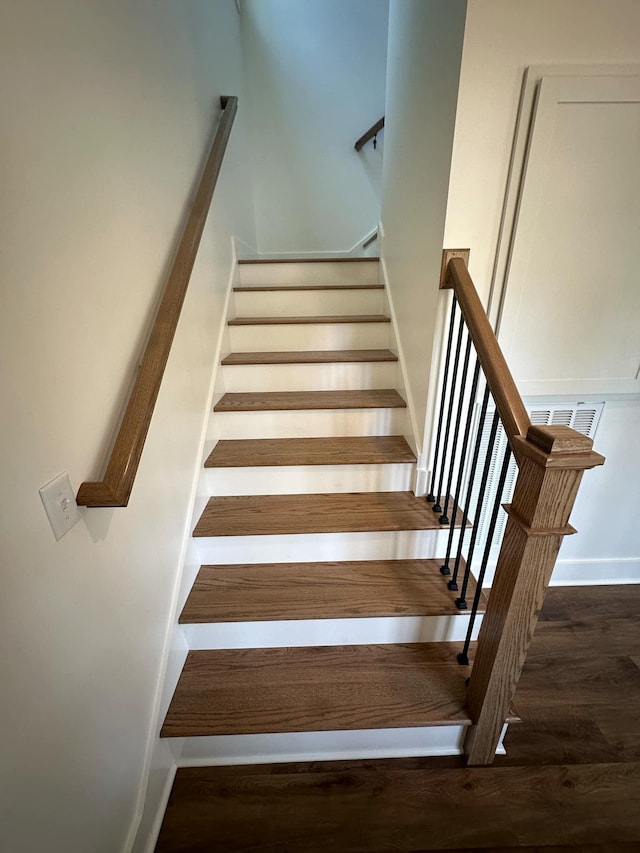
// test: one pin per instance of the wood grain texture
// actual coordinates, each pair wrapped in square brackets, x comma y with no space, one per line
[258,515]
[538,518]
[273,401]
[373,131]
[317,688]
[327,590]
[589,720]
[338,259]
[248,288]
[579,692]
[310,357]
[119,476]
[370,807]
[308,321]
[508,401]
[352,450]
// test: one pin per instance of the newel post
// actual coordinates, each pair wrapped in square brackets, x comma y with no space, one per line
[551,460]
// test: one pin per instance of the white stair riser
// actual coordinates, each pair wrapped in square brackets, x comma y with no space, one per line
[337,376]
[327,272]
[330,632]
[285,747]
[309,336]
[307,423]
[301,547]
[305,303]
[308,479]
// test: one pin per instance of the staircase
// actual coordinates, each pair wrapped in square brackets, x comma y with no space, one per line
[318,625]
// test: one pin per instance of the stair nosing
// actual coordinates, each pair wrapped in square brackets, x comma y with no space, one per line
[277,288]
[242,359]
[288,260]
[318,688]
[324,590]
[323,513]
[286,448]
[321,320]
[240,401]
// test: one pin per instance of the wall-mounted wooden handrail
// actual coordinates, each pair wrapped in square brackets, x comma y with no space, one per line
[115,487]
[505,393]
[373,131]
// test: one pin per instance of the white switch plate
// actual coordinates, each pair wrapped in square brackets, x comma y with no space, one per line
[60,505]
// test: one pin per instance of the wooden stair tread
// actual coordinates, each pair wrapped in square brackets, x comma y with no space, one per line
[310,356]
[297,321]
[318,688]
[352,450]
[271,401]
[325,590]
[289,260]
[267,288]
[257,515]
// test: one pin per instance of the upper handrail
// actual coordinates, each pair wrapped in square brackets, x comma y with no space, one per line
[115,487]
[505,393]
[373,131]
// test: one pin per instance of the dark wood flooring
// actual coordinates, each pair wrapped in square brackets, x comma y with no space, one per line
[570,780]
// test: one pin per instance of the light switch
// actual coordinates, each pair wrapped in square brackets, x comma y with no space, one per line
[60,505]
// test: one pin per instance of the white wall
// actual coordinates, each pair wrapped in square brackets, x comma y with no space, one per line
[107,108]
[503,38]
[425,44]
[316,70]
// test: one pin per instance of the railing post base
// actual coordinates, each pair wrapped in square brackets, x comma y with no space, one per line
[552,462]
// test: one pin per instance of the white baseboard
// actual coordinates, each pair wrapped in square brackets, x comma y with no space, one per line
[157,796]
[596,572]
[159,762]
[601,572]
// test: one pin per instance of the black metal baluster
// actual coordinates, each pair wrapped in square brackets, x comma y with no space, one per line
[453,583]
[443,396]
[454,379]
[463,657]
[456,432]
[444,568]
[461,602]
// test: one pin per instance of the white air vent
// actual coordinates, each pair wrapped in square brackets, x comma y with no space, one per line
[583,417]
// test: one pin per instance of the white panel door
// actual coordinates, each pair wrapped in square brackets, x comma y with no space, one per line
[570,321]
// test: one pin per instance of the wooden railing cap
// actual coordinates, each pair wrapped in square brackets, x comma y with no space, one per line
[558,447]
[559,439]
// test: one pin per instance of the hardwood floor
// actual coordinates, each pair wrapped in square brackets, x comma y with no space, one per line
[570,780]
